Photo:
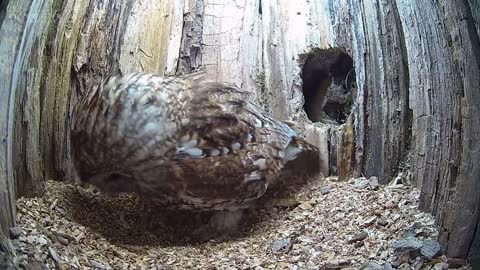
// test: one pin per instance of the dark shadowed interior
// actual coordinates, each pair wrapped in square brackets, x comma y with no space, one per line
[328,78]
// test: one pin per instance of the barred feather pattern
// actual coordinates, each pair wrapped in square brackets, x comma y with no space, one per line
[186,142]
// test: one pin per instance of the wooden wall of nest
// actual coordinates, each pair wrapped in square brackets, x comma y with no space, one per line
[414,108]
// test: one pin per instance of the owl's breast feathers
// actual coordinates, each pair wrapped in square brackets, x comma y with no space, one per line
[190,140]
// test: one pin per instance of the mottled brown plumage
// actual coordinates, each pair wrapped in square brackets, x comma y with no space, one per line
[187,142]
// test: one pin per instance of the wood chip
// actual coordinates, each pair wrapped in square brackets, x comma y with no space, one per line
[305,231]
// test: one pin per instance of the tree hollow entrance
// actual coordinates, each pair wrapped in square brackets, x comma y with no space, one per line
[328,78]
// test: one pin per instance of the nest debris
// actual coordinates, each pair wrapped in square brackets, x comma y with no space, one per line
[320,225]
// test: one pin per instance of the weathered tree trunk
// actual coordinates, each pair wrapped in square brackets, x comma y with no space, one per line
[416,105]
[444,61]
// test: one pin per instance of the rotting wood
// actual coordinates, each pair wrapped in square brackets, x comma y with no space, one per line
[10,39]
[345,150]
[28,157]
[384,107]
[474,10]
[444,63]
[416,66]
[3,10]
[319,136]
[190,51]
[56,87]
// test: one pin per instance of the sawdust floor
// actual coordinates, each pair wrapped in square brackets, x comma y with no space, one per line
[323,224]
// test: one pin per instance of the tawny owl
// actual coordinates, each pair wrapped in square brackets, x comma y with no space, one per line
[188,142]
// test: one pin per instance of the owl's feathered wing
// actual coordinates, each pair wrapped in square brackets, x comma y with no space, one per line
[187,141]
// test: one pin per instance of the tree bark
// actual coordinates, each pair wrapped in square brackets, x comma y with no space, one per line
[8,46]
[416,104]
[444,64]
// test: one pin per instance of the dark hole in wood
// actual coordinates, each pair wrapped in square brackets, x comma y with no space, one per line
[328,76]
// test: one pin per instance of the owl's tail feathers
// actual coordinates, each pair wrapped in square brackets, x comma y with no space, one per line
[199,78]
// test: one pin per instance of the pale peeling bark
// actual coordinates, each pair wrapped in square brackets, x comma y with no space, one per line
[416,99]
